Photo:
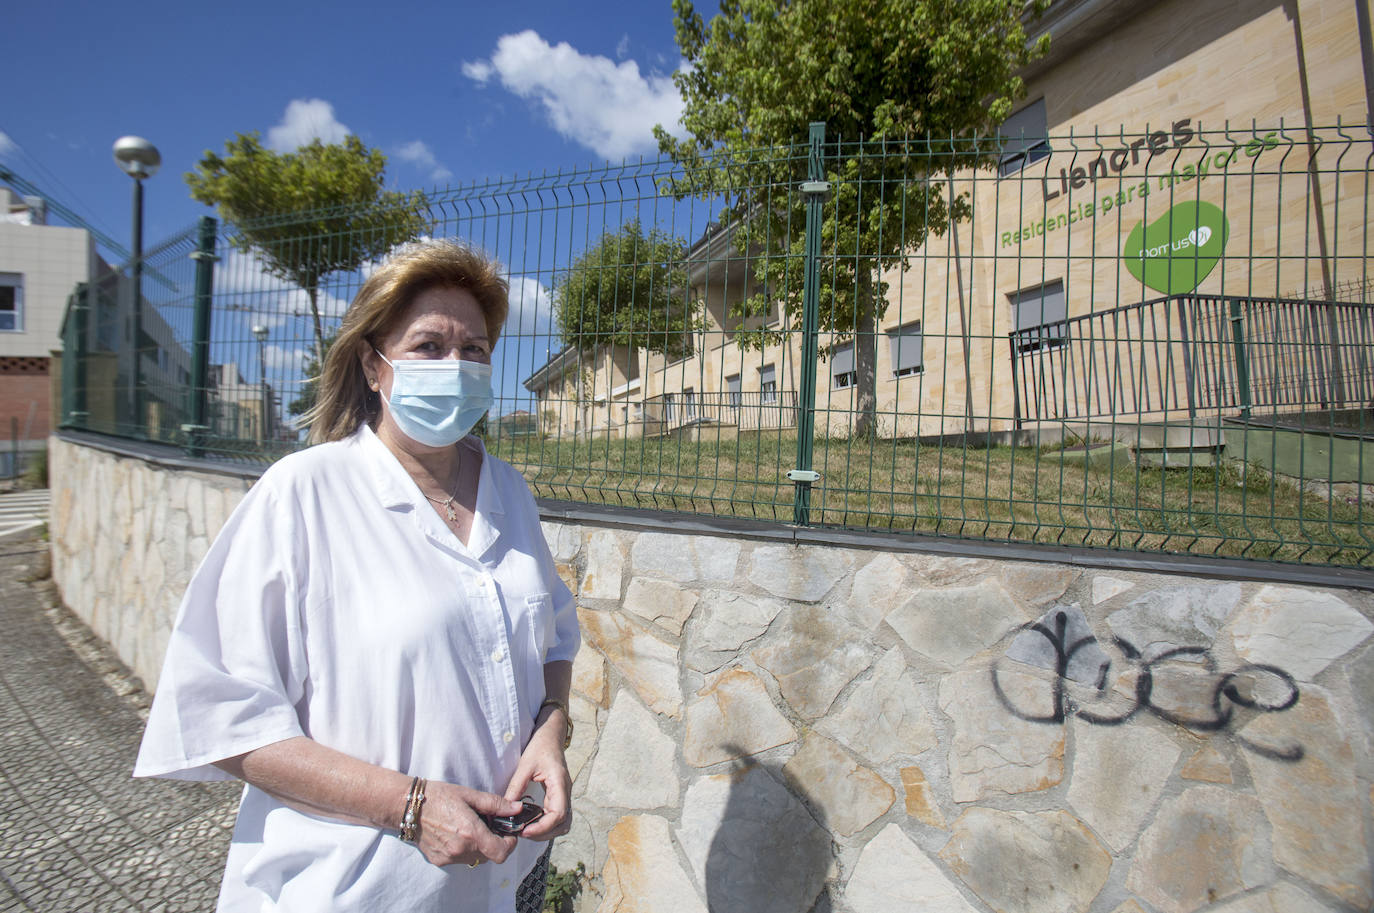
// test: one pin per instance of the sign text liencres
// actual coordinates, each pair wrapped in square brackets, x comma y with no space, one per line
[1114,163]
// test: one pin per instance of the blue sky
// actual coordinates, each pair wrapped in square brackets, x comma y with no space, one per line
[450,92]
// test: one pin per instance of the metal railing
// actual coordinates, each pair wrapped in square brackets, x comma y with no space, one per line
[1077,348]
[739,411]
[1196,357]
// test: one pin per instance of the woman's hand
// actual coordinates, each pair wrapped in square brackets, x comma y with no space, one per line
[451,830]
[542,762]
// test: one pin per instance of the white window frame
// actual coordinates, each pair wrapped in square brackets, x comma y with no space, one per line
[897,344]
[14,281]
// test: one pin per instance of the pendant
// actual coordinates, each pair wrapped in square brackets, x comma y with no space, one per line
[448,508]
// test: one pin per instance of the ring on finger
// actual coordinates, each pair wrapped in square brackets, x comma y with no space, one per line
[473,865]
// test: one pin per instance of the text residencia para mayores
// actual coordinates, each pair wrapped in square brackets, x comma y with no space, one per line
[1115,162]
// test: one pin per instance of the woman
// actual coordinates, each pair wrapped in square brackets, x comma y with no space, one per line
[378,642]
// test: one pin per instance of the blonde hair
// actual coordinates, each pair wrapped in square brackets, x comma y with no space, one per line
[344,399]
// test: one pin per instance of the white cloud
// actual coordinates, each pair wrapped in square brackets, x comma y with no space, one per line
[306,119]
[531,308]
[610,108]
[622,48]
[242,283]
[7,145]
[478,70]
[419,154]
[283,363]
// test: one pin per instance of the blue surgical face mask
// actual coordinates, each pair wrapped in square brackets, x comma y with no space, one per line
[436,403]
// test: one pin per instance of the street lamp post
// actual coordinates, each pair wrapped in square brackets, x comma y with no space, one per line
[139,159]
[260,334]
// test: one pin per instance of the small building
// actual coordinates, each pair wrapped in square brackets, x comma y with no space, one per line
[40,264]
[240,410]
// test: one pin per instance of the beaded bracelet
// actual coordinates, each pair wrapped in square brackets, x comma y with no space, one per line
[410,819]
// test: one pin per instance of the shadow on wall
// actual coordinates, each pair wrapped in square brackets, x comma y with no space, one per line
[770,851]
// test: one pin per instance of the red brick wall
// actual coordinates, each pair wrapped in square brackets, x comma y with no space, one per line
[25,390]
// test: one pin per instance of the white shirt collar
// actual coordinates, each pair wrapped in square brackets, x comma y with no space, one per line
[398,491]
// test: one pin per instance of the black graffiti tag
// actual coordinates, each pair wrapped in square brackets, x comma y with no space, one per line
[1227,693]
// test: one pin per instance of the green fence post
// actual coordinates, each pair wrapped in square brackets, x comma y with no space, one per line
[1242,366]
[205,258]
[814,190]
[74,334]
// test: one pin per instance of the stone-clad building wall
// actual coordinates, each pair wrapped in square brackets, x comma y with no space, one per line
[779,727]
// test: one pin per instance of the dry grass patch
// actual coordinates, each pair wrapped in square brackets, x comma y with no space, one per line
[1020,494]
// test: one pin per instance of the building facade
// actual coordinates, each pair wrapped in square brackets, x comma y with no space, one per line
[40,264]
[1174,168]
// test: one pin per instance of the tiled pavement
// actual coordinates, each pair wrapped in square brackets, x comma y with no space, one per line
[77,833]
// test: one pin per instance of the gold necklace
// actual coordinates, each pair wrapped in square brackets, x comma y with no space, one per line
[447,503]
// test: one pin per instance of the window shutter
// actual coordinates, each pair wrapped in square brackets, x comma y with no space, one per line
[905,348]
[842,361]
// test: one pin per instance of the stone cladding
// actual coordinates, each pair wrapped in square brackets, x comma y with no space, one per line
[806,727]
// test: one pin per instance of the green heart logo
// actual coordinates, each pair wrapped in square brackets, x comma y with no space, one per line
[1180,249]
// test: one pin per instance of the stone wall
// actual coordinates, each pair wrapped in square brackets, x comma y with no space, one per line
[766,726]
[920,732]
[127,533]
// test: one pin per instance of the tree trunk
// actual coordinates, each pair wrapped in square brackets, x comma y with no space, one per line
[865,357]
[314,293]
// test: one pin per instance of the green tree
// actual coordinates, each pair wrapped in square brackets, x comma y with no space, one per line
[318,210]
[916,80]
[628,290]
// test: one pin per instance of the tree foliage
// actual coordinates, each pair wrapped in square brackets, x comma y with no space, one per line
[319,210]
[628,290]
[907,85]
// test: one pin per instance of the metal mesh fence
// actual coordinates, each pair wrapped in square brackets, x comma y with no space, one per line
[1158,341]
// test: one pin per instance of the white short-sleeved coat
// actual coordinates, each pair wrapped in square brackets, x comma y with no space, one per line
[337,605]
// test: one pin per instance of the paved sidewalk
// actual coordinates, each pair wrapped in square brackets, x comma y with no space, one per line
[77,833]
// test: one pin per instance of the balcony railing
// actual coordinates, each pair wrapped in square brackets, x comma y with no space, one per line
[1193,355]
[753,411]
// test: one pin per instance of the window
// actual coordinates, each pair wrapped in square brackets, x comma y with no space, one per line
[1024,137]
[904,345]
[733,396]
[768,384]
[12,302]
[842,365]
[1041,318]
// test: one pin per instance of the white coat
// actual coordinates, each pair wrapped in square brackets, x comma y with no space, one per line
[336,604]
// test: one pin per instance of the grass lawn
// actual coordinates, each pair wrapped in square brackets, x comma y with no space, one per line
[1017,494]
